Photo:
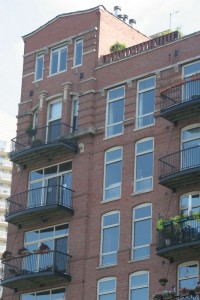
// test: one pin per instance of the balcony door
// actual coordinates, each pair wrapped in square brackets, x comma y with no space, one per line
[191,89]
[54,121]
[191,147]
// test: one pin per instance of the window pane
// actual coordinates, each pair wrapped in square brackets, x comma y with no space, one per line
[144,166]
[108,297]
[147,84]
[139,280]
[113,155]
[78,52]
[191,69]
[110,239]
[39,67]
[111,219]
[144,146]
[186,271]
[65,166]
[109,259]
[141,253]
[140,294]
[63,60]
[142,232]
[146,102]
[55,111]
[115,129]
[107,285]
[114,192]
[116,93]
[28,297]
[31,236]
[113,174]
[35,175]
[46,233]
[58,294]
[116,112]
[61,230]
[144,184]
[142,212]
[54,62]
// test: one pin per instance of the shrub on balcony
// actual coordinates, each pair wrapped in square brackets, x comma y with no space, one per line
[158,296]
[44,248]
[162,222]
[31,131]
[23,251]
[6,254]
[117,47]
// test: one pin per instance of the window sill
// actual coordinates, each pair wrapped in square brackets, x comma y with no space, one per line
[108,266]
[144,127]
[112,136]
[142,192]
[110,200]
[51,75]
[137,260]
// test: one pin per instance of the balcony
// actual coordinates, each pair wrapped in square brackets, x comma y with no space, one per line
[36,269]
[180,240]
[43,144]
[180,168]
[39,204]
[181,101]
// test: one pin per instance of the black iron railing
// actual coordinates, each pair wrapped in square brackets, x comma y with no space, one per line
[180,93]
[40,197]
[43,136]
[182,232]
[54,261]
[179,161]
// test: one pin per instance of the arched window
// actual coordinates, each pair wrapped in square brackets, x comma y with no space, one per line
[106,288]
[139,286]
[188,275]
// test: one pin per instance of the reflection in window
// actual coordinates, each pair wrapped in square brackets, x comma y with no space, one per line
[56,294]
[144,165]
[141,232]
[139,286]
[39,64]
[190,203]
[110,238]
[115,112]
[58,60]
[146,99]
[188,275]
[78,52]
[107,289]
[113,174]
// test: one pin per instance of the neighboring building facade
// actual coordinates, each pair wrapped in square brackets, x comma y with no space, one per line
[106,144]
[7,129]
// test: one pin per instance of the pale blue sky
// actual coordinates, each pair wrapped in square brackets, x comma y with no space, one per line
[19,17]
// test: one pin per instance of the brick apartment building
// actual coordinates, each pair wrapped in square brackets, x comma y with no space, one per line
[107,150]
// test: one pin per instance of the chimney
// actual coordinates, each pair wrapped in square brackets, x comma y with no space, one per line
[125,18]
[117,10]
[131,22]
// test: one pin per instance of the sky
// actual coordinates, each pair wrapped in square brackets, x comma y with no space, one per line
[19,17]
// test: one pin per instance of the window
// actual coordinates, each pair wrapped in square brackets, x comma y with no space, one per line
[191,147]
[51,185]
[188,275]
[115,112]
[110,238]
[191,89]
[78,52]
[58,60]
[107,289]
[145,102]
[54,120]
[56,294]
[39,64]
[75,106]
[142,231]
[190,203]
[56,238]
[139,286]
[113,174]
[144,165]
[35,119]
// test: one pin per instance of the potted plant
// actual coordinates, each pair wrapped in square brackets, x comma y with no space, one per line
[197,289]
[168,295]
[184,291]
[23,251]
[163,281]
[157,296]
[44,248]
[117,47]
[36,143]
[6,255]
[31,131]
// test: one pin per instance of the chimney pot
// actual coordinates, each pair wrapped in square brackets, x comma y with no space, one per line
[117,10]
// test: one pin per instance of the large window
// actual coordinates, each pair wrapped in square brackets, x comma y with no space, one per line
[107,288]
[113,174]
[50,185]
[142,232]
[56,238]
[39,64]
[58,60]
[110,238]
[188,275]
[115,112]
[190,203]
[54,120]
[139,286]
[191,89]
[144,165]
[191,146]
[78,52]
[145,102]
[56,294]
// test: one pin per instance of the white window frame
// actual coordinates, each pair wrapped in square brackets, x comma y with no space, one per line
[108,292]
[48,290]
[135,168]
[118,185]
[139,273]
[103,228]
[137,102]
[58,49]
[107,112]
[133,237]
[75,111]
[189,196]
[76,43]
[38,57]
[185,264]
[185,76]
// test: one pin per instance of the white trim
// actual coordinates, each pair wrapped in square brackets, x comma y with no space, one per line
[139,286]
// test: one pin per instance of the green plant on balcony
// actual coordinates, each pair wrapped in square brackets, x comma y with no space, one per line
[44,248]
[184,292]
[36,143]
[31,131]
[6,255]
[117,47]
[195,215]
[23,251]
[197,288]
[168,295]
[162,222]
[157,296]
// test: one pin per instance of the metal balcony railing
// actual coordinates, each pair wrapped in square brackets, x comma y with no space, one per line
[179,161]
[40,197]
[181,233]
[43,136]
[179,93]
[52,261]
